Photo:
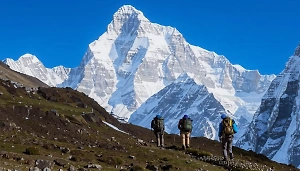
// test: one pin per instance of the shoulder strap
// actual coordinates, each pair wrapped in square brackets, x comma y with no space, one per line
[227,121]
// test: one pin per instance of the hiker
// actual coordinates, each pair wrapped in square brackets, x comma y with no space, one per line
[185,126]
[158,126]
[227,129]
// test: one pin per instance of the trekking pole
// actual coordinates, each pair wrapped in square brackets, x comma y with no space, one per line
[152,136]
[174,139]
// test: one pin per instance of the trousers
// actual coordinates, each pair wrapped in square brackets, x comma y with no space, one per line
[227,147]
[185,138]
[159,138]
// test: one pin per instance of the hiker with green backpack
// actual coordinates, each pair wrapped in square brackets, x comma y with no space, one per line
[158,126]
[227,129]
[185,126]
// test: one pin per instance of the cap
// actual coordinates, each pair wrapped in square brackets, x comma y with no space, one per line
[223,116]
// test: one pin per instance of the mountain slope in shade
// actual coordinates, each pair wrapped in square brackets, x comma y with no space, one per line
[182,97]
[134,59]
[275,129]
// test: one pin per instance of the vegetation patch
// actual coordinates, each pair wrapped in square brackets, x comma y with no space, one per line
[32,151]
[110,160]
[137,168]
[198,153]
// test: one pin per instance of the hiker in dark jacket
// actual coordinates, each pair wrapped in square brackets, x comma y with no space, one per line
[227,129]
[185,127]
[157,124]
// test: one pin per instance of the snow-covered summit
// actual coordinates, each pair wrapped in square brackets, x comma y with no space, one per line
[29,64]
[135,59]
[28,55]
[126,20]
[25,60]
[129,11]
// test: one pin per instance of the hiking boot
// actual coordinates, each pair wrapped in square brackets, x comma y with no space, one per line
[224,159]
[187,146]
[183,147]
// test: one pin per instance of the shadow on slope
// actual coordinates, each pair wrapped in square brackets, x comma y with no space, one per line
[7,74]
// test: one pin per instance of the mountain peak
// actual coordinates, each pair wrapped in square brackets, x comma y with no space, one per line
[128,10]
[28,56]
[297,51]
[126,20]
[184,77]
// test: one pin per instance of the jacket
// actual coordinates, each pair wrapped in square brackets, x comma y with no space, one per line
[234,127]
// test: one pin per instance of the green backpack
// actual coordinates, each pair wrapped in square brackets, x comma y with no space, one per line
[227,126]
[187,125]
[158,124]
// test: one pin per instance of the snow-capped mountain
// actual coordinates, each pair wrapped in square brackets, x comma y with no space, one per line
[181,97]
[275,129]
[135,59]
[30,65]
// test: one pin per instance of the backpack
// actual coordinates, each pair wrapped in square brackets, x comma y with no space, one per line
[187,125]
[158,124]
[227,126]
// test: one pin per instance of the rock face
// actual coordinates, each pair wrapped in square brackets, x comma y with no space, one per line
[182,97]
[297,51]
[274,130]
[135,59]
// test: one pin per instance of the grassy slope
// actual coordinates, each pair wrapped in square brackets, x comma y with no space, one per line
[27,120]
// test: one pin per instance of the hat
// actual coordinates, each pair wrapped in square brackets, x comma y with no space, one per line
[158,116]
[185,116]
[223,116]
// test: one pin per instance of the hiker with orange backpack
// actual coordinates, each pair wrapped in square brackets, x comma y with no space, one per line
[227,129]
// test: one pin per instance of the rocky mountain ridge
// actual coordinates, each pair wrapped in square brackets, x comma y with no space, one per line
[135,59]
[274,130]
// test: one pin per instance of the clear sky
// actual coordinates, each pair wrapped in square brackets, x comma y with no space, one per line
[257,34]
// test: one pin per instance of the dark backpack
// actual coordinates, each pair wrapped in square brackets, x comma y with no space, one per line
[227,126]
[187,125]
[158,124]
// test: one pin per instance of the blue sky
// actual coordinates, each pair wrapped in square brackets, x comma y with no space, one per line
[257,34]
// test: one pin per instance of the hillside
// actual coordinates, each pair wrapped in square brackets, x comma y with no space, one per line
[61,128]
[28,81]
